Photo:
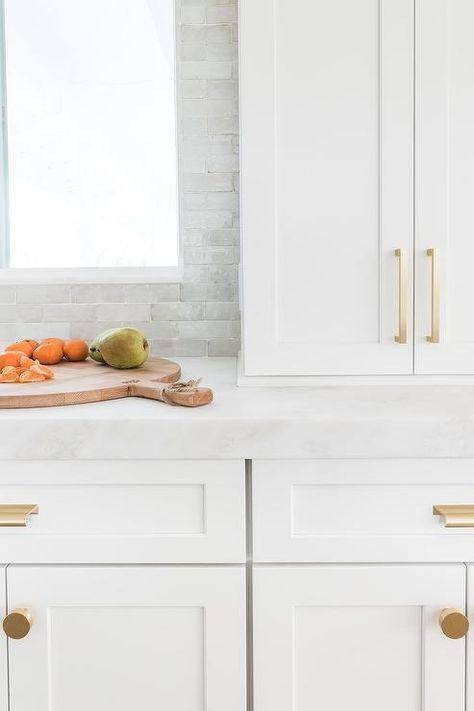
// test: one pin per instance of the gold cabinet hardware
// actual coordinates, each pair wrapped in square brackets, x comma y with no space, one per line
[455,515]
[402,295]
[454,623]
[435,270]
[16,514]
[18,623]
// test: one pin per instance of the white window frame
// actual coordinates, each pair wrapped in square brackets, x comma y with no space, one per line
[80,275]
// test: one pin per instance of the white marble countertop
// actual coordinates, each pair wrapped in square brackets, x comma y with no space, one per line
[252,423]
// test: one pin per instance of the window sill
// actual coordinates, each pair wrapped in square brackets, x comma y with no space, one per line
[119,275]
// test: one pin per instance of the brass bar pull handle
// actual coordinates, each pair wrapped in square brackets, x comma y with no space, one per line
[455,515]
[453,623]
[435,270]
[402,295]
[16,514]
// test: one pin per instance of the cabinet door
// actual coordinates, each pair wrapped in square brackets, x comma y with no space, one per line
[357,637]
[3,647]
[445,184]
[327,184]
[129,638]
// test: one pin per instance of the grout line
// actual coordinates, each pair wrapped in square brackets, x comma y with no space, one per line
[249,583]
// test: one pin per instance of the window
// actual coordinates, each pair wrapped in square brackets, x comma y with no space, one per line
[89,159]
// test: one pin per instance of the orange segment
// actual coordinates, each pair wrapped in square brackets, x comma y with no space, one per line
[42,370]
[29,377]
[10,377]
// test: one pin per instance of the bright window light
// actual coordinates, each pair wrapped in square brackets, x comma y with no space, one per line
[91,134]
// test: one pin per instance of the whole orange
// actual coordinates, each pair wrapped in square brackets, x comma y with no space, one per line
[48,353]
[75,350]
[27,347]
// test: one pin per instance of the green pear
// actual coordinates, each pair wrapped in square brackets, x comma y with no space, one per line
[123,348]
[94,348]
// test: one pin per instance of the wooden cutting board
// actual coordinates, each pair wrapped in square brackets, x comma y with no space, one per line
[78,383]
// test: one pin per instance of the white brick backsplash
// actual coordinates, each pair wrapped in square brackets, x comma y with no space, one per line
[122,312]
[223,274]
[212,220]
[191,126]
[193,88]
[222,89]
[208,181]
[229,124]
[221,311]
[177,311]
[43,294]
[222,13]
[223,164]
[224,347]
[193,52]
[193,14]
[220,52]
[208,292]
[200,316]
[206,70]
[7,295]
[217,238]
[179,347]
[69,312]
[149,293]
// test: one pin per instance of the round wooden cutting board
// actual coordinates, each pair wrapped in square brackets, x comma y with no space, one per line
[77,383]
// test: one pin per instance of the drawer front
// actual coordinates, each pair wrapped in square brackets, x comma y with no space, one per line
[360,510]
[125,512]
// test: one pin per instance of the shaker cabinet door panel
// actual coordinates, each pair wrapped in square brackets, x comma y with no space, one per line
[327,184]
[3,646]
[357,637]
[444,187]
[129,638]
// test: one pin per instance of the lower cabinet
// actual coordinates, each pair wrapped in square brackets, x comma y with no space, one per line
[3,647]
[360,637]
[122,637]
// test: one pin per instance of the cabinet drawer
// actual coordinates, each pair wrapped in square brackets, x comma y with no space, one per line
[125,512]
[360,510]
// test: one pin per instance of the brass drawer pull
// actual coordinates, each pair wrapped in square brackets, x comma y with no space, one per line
[16,514]
[455,515]
[402,295]
[453,623]
[18,623]
[435,295]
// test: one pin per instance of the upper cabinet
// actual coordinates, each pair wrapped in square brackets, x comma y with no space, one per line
[444,186]
[356,155]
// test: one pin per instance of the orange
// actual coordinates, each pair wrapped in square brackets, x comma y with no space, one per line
[75,350]
[53,340]
[10,358]
[42,370]
[25,346]
[48,353]
[29,377]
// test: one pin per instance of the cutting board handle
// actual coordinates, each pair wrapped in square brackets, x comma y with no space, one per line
[186,394]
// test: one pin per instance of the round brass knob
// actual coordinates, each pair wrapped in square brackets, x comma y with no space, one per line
[454,623]
[18,623]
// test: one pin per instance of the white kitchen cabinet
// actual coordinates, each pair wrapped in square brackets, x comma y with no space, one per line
[357,141]
[445,183]
[327,186]
[359,637]
[3,647]
[126,638]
